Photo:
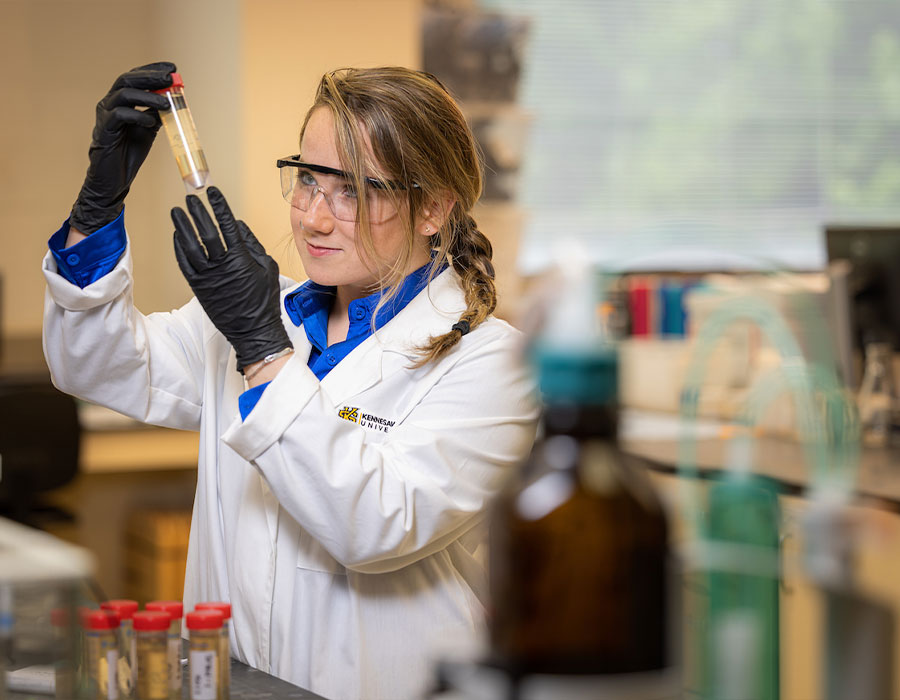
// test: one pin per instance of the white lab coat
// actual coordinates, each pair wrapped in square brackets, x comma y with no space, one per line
[343,520]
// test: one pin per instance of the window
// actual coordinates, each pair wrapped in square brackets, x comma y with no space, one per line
[694,133]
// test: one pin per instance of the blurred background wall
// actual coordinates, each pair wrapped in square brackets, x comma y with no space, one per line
[250,69]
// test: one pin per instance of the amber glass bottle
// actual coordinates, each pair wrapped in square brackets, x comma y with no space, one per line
[579,541]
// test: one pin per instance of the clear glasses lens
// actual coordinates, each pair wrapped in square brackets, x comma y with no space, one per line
[300,188]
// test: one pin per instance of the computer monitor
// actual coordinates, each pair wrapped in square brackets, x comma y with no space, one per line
[871,282]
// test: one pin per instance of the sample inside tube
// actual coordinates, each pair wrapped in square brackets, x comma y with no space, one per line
[182,134]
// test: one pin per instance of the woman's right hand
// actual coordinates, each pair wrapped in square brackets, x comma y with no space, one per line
[121,141]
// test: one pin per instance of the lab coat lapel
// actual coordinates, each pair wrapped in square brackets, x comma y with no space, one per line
[391,348]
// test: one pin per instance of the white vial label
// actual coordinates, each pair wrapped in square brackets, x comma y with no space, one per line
[112,685]
[204,675]
[174,663]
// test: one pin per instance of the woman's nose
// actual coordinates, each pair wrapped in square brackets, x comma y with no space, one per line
[318,215]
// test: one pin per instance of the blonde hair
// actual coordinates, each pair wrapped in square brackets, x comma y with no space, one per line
[420,139]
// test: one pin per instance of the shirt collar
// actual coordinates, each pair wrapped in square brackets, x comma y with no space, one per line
[311,299]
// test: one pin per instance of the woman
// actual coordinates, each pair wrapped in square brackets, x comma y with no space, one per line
[352,428]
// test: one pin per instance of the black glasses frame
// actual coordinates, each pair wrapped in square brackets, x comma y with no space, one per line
[295,162]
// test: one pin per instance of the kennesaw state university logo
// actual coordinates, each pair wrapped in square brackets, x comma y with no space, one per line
[366,420]
[350,413]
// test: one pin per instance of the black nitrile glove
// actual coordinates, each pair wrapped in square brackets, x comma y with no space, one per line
[238,286]
[121,141]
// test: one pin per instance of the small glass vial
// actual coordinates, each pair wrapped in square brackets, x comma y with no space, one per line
[224,642]
[125,609]
[877,398]
[175,610]
[102,654]
[205,628]
[151,636]
[179,126]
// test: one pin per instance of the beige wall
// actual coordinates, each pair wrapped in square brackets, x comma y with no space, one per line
[250,68]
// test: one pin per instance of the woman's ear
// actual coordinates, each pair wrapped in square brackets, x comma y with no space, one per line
[434,215]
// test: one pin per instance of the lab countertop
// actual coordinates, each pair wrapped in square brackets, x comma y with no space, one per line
[246,684]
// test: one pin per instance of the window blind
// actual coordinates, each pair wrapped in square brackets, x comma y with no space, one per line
[704,134]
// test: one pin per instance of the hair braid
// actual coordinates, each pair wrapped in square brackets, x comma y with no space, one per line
[470,253]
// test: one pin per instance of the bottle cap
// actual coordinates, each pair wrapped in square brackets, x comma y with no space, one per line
[125,608]
[173,608]
[224,608]
[99,620]
[204,620]
[152,620]
[177,82]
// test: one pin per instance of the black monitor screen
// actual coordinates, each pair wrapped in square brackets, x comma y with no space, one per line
[873,283]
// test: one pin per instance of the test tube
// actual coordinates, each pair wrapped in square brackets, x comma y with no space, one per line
[128,657]
[179,127]
[224,642]
[151,632]
[175,610]
[100,628]
[205,627]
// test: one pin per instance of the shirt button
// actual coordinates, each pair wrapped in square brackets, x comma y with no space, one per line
[332,360]
[73,259]
[359,313]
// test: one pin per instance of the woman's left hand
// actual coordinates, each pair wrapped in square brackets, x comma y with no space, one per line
[236,283]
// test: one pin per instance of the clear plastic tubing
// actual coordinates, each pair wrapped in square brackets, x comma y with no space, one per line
[151,632]
[175,611]
[205,627]
[179,126]
[224,642]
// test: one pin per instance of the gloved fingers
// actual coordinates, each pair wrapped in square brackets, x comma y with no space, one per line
[188,252]
[209,232]
[152,76]
[253,245]
[126,116]
[223,214]
[133,97]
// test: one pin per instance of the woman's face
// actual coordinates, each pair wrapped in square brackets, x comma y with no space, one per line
[328,245]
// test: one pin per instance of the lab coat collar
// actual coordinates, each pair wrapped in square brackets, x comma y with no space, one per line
[390,349]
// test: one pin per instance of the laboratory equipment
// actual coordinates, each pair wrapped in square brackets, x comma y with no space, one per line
[175,610]
[42,580]
[178,123]
[125,609]
[101,653]
[877,397]
[151,634]
[205,627]
[224,642]
[580,564]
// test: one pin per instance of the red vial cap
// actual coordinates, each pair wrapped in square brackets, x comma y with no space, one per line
[177,82]
[173,608]
[125,608]
[151,621]
[224,608]
[99,620]
[204,620]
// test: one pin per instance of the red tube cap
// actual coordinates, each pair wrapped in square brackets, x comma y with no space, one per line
[224,608]
[99,620]
[151,621]
[174,608]
[125,608]
[204,620]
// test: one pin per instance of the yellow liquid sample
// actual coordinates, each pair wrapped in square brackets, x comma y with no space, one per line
[182,134]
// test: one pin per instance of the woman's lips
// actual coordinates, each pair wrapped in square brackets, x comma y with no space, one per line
[320,251]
